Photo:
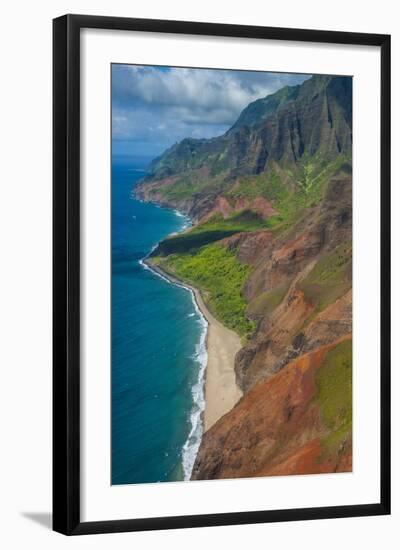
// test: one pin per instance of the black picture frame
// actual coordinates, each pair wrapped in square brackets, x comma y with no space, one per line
[66,273]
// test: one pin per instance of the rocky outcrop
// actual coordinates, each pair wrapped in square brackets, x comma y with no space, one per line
[287,160]
[277,428]
[249,246]
[224,208]
[296,323]
[308,120]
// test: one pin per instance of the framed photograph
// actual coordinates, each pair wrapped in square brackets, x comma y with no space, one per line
[221,274]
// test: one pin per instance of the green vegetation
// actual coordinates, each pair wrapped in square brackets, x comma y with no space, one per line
[267,185]
[190,182]
[220,276]
[306,181]
[329,279]
[186,155]
[268,301]
[195,166]
[245,220]
[334,395]
[266,106]
[219,163]
[190,241]
[290,201]
[312,171]
[311,180]
[195,256]
[291,193]
[211,231]
[182,189]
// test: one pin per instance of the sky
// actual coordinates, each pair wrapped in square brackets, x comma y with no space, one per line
[154,107]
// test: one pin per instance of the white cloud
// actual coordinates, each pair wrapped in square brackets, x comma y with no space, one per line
[178,102]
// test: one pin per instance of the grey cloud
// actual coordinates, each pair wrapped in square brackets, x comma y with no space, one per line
[155,105]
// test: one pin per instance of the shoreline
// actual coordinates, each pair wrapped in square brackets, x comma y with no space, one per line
[221,391]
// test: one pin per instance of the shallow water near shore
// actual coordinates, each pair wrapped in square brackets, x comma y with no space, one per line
[158,345]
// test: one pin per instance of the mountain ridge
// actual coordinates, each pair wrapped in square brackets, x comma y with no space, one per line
[196,171]
[271,252]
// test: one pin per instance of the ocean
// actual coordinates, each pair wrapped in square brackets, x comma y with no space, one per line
[158,345]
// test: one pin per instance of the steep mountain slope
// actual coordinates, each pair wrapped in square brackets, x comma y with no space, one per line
[271,253]
[308,121]
[285,424]
[262,108]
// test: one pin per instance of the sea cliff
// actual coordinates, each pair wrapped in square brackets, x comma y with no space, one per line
[271,251]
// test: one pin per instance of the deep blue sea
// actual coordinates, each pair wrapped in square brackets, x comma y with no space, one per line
[158,351]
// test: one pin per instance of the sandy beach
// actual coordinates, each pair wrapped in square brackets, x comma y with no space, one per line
[221,391]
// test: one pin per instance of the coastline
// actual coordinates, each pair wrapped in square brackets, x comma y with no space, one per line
[221,390]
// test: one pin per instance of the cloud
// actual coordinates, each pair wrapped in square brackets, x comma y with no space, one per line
[168,104]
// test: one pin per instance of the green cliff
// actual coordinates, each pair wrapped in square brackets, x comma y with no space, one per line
[271,252]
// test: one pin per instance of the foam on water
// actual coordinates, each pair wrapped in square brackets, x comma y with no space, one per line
[192,444]
[191,447]
[143,451]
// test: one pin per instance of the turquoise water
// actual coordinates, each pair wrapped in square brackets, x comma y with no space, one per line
[158,352]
